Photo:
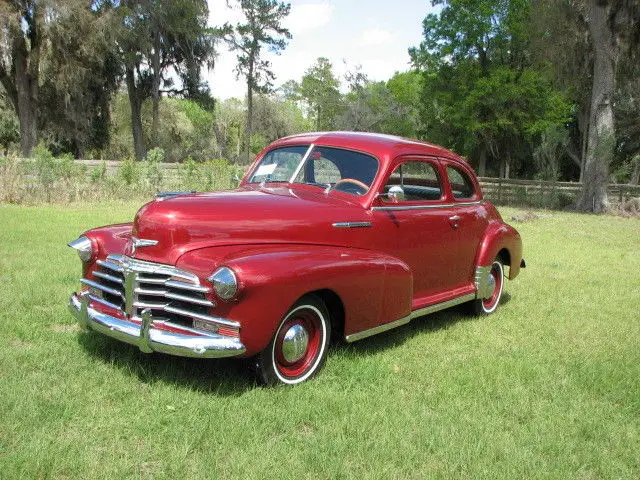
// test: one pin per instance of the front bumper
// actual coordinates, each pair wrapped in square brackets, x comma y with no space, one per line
[150,339]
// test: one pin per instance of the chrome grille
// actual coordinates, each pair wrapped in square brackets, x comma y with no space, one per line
[172,295]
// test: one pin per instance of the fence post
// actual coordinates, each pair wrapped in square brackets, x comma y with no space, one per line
[499,190]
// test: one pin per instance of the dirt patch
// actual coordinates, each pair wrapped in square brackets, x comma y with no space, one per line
[525,217]
[65,328]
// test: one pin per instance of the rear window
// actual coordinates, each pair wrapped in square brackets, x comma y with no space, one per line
[461,184]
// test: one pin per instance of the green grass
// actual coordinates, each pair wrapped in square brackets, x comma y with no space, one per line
[548,387]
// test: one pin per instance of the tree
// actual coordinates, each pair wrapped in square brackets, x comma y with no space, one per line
[155,36]
[20,48]
[319,89]
[263,28]
[480,94]
[609,23]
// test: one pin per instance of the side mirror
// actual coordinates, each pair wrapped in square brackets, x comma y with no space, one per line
[396,194]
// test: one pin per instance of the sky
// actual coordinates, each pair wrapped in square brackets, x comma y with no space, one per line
[372,34]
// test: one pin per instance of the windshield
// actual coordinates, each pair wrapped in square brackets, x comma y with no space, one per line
[327,167]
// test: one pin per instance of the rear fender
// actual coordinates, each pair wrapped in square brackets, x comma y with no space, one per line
[374,288]
[499,236]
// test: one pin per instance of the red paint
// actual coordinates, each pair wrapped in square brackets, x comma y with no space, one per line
[280,241]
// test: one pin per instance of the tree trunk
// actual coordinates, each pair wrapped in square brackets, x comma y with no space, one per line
[482,161]
[136,115]
[635,176]
[155,90]
[26,67]
[601,135]
[249,112]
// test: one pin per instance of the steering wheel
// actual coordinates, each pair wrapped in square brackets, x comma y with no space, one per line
[352,186]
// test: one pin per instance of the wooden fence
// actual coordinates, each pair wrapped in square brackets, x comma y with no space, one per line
[546,194]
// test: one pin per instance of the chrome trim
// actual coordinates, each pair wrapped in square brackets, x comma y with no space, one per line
[164,195]
[99,286]
[294,343]
[414,314]
[481,280]
[379,329]
[82,245]
[106,276]
[186,286]
[137,243]
[201,316]
[153,293]
[186,298]
[225,283]
[352,224]
[157,306]
[302,162]
[110,266]
[442,305]
[426,207]
[104,302]
[150,339]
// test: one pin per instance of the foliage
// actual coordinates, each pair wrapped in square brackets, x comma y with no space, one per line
[480,94]
[262,28]
[319,89]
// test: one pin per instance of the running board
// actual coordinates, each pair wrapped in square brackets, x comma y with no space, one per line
[404,320]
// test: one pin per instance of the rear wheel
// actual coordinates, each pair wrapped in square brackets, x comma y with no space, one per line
[299,347]
[485,306]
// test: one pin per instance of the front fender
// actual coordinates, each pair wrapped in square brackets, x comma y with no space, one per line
[374,288]
[499,236]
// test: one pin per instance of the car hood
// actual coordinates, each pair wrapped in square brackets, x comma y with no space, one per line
[247,216]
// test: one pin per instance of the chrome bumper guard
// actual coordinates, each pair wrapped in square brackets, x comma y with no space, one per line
[150,339]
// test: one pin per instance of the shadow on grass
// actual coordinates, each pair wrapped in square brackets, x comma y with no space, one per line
[418,326]
[220,376]
[234,376]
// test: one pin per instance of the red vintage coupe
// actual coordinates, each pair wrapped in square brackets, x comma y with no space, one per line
[335,234]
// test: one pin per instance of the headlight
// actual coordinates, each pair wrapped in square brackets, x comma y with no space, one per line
[224,283]
[84,248]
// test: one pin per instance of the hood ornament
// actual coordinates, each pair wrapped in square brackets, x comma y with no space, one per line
[140,243]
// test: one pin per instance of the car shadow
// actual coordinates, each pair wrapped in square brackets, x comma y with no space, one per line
[227,377]
[418,326]
[232,377]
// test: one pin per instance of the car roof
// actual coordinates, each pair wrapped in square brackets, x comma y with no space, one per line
[385,147]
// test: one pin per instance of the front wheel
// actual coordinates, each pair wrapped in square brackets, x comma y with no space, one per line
[485,306]
[299,347]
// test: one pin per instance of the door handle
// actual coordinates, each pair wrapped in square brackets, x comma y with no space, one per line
[454,221]
[455,218]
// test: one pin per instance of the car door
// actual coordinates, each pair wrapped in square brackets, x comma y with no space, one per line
[417,228]
[470,219]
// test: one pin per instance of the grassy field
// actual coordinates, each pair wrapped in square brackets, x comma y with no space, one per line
[548,387]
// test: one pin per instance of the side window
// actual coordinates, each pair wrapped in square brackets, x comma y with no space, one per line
[419,180]
[461,184]
[326,171]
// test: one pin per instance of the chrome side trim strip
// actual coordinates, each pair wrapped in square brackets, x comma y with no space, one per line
[414,314]
[352,224]
[441,306]
[426,207]
[379,329]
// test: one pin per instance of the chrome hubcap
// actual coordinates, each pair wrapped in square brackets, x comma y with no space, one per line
[491,286]
[294,343]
